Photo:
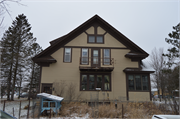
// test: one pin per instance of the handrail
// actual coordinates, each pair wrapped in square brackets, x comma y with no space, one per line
[97,61]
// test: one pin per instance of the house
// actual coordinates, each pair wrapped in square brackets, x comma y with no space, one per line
[94,62]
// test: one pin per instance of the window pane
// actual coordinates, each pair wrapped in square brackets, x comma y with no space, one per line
[91,39]
[99,81]
[67,56]
[99,39]
[84,82]
[91,78]
[131,82]
[84,59]
[95,56]
[91,82]
[106,82]
[138,82]
[107,56]
[145,82]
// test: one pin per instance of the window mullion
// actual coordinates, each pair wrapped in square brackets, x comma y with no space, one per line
[141,83]
[88,81]
[134,82]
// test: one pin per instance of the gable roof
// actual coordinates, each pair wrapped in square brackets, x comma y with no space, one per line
[61,41]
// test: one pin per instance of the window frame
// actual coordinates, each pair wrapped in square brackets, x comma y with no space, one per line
[95,39]
[87,57]
[95,81]
[70,56]
[109,56]
[148,83]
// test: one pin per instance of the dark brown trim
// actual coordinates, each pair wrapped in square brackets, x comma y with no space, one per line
[127,88]
[85,32]
[81,56]
[105,33]
[94,47]
[150,88]
[95,28]
[44,64]
[62,41]
[64,56]
[95,35]
[98,69]
[95,76]
[40,79]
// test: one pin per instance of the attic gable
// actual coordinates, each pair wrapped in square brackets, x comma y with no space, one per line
[108,40]
[94,21]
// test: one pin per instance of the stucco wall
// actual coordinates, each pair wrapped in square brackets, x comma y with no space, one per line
[139,96]
[70,73]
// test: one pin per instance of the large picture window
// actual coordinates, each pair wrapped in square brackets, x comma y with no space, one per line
[67,54]
[138,82]
[89,82]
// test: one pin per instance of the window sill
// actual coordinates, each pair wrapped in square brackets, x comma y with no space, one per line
[94,43]
[97,90]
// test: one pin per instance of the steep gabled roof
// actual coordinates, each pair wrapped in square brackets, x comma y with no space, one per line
[61,41]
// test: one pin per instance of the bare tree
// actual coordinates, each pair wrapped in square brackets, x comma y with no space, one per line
[4,8]
[71,92]
[59,87]
[157,63]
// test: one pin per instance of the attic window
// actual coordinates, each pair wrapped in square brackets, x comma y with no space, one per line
[91,39]
[95,39]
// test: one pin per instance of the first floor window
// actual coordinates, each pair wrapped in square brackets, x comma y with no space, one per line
[131,82]
[106,82]
[92,81]
[67,54]
[84,82]
[138,82]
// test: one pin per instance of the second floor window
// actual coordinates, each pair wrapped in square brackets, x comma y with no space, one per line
[106,56]
[67,55]
[84,56]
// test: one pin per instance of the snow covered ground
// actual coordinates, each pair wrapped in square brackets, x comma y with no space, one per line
[16,104]
[74,116]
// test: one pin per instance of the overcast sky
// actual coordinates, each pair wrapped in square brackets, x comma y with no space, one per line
[145,22]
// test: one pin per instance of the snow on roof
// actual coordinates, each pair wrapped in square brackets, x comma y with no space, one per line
[49,96]
[146,66]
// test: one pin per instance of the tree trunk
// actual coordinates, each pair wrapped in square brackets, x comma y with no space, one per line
[32,76]
[15,71]
[9,78]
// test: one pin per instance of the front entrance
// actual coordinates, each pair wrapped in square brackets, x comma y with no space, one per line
[95,57]
[46,88]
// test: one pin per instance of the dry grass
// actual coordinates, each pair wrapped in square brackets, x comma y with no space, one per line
[130,110]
